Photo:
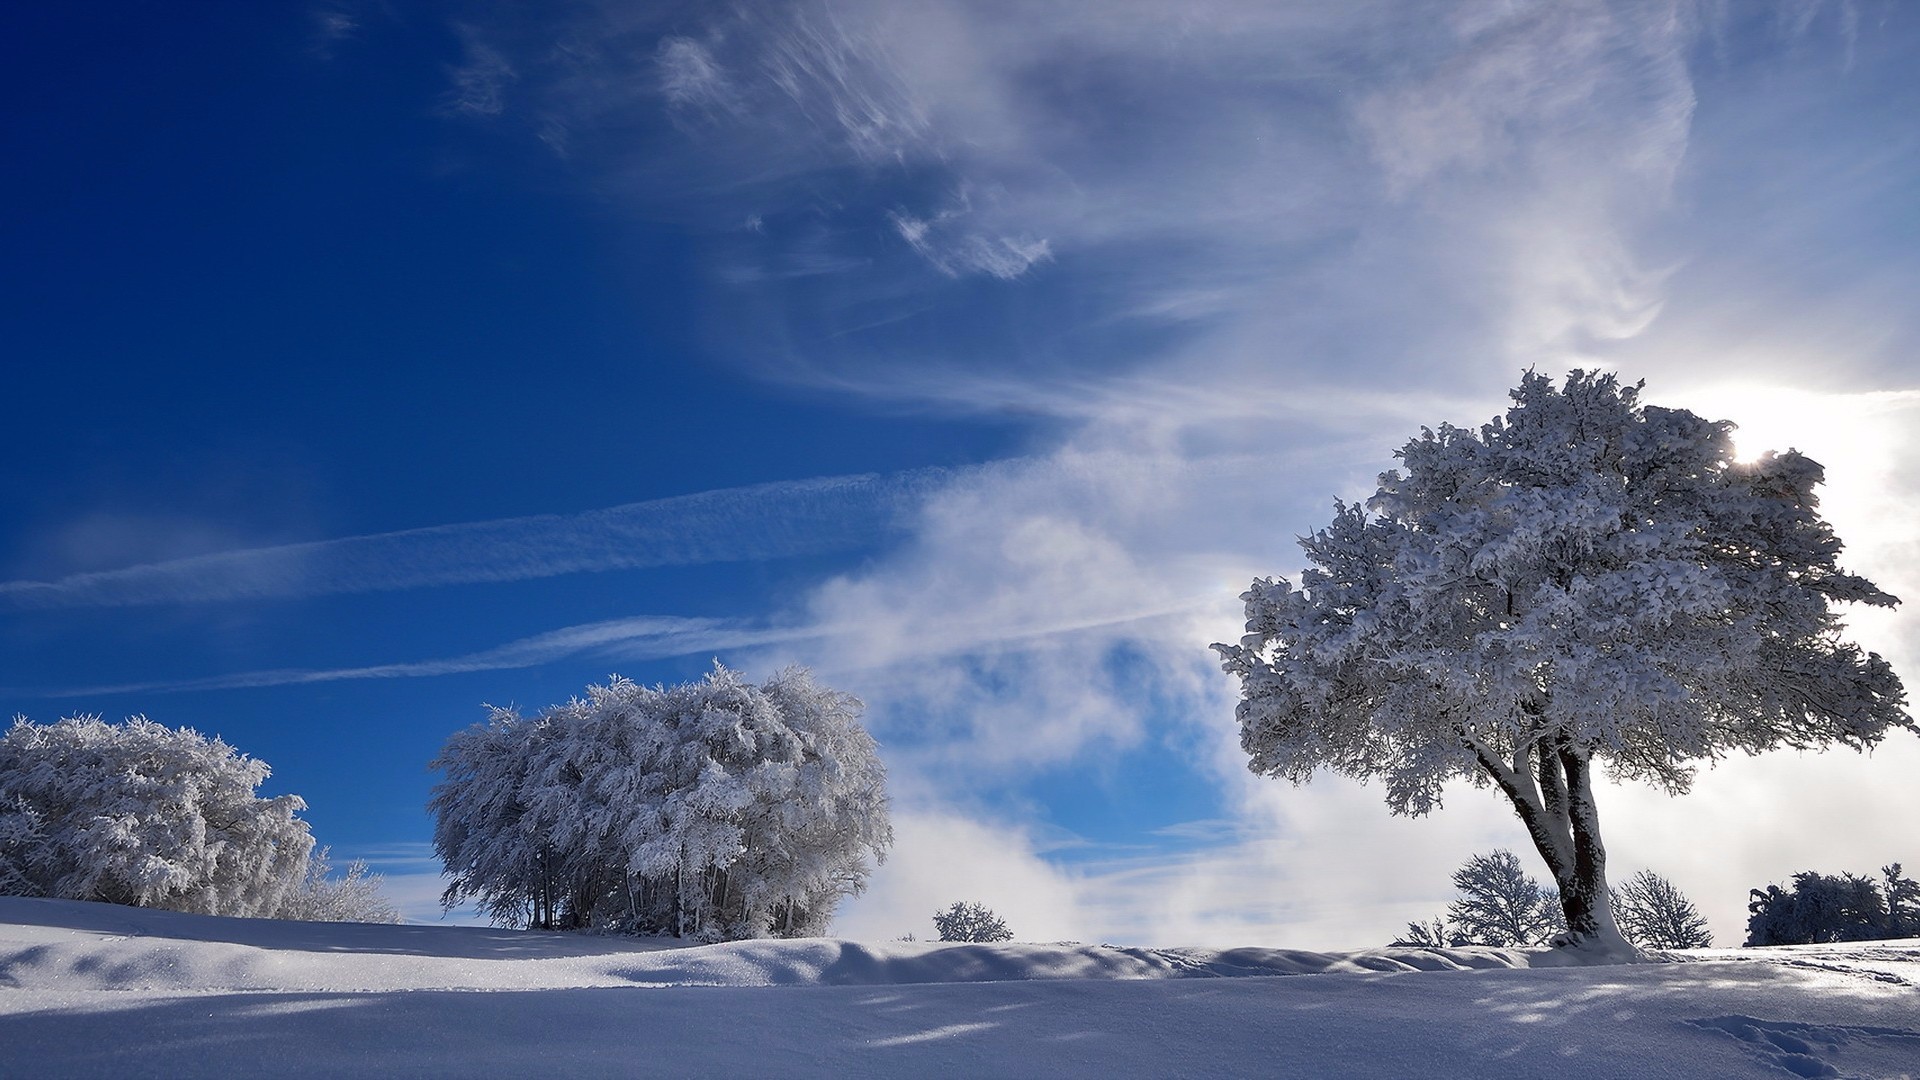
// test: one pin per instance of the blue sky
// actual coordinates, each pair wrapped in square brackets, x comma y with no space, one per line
[370,362]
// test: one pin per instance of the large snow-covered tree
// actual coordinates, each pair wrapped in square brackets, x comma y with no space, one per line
[1588,580]
[139,813]
[716,809]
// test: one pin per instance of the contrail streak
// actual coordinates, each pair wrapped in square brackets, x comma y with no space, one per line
[638,638]
[764,521]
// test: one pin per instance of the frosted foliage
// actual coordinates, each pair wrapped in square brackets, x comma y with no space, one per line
[715,809]
[1588,579]
[969,920]
[138,813]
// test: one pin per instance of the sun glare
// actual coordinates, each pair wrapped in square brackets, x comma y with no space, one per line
[1855,430]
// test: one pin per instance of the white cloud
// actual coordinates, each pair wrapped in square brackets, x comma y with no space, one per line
[941,858]
[951,241]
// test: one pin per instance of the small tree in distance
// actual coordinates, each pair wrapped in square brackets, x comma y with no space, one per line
[1903,902]
[969,920]
[1501,905]
[1588,580]
[1654,914]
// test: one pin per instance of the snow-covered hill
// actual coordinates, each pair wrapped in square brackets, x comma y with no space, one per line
[97,990]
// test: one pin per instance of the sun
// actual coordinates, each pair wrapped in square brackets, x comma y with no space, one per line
[1768,418]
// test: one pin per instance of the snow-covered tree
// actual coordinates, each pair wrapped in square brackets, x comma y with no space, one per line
[1500,904]
[1654,914]
[1589,580]
[1823,907]
[1818,908]
[353,897]
[1903,902]
[142,814]
[716,809]
[970,920]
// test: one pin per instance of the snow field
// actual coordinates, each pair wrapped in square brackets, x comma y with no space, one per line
[98,990]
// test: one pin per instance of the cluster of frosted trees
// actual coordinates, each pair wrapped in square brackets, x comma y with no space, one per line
[714,810]
[146,815]
[1499,904]
[1827,907]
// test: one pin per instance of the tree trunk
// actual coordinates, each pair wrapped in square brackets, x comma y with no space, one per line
[680,896]
[1583,891]
[1558,809]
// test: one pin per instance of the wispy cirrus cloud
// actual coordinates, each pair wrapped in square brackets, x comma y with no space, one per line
[480,80]
[1222,195]
[330,26]
[764,521]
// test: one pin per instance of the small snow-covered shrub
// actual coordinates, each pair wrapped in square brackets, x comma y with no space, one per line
[321,897]
[970,920]
[1432,934]
[142,814]
[717,809]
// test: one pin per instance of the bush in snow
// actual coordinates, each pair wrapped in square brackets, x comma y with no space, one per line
[321,897]
[716,809]
[1823,908]
[1653,914]
[138,813]
[1432,934]
[1588,580]
[969,920]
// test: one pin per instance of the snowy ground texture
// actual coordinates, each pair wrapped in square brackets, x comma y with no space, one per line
[97,990]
